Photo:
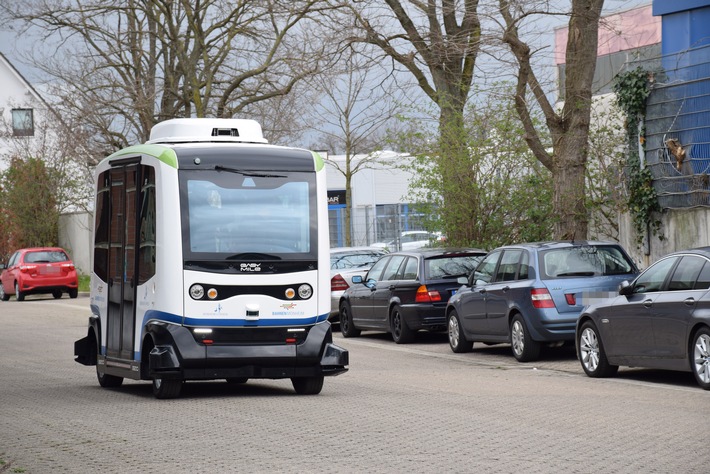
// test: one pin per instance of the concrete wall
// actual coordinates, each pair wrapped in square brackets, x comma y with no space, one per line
[680,230]
[75,232]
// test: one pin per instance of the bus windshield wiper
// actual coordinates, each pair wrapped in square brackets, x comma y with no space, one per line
[245,173]
[253,256]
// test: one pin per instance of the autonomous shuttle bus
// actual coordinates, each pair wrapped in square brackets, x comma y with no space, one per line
[211,261]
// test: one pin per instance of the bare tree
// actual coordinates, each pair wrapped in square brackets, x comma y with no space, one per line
[353,118]
[128,64]
[568,127]
[437,42]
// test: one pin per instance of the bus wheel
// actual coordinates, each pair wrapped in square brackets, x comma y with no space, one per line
[307,385]
[166,388]
[237,380]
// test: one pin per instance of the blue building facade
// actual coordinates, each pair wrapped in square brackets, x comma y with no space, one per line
[677,127]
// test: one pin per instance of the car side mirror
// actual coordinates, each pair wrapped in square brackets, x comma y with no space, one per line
[357,279]
[462,281]
[625,288]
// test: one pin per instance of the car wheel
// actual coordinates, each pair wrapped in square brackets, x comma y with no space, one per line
[3,296]
[73,293]
[524,348]
[166,388]
[347,328]
[590,352]
[700,362]
[457,341]
[18,294]
[307,385]
[57,294]
[401,334]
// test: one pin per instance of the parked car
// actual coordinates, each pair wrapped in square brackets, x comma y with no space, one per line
[38,270]
[661,321]
[412,239]
[405,291]
[346,262]
[532,294]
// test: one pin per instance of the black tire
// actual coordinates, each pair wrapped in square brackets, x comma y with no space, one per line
[347,328]
[166,388]
[57,294]
[401,333]
[18,294]
[106,380]
[73,293]
[457,341]
[3,296]
[307,385]
[524,348]
[700,357]
[591,354]
[237,380]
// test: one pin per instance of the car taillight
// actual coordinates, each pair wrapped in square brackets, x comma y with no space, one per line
[571,299]
[426,296]
[67,266]
[541,298]
[338,283]
[28,268]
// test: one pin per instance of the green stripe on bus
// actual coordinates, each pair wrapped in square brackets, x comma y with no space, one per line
[165,154]
[318,161]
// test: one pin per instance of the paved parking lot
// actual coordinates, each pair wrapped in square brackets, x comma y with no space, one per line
[417,408]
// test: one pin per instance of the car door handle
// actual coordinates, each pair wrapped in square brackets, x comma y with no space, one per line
[689,301]
[505,288]
[482,291]
[391,288]
[648,303]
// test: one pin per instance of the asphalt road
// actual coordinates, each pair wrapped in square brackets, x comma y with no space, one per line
[416,408]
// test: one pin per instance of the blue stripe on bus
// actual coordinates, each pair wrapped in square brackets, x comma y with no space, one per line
[223,322]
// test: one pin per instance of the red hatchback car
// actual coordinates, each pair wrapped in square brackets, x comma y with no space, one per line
[38,270]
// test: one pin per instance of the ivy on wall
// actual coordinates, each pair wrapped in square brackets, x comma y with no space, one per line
[632,88]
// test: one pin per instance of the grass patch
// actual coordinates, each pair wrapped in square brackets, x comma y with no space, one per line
[84,282]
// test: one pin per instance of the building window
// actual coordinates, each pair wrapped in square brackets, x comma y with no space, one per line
[23,123]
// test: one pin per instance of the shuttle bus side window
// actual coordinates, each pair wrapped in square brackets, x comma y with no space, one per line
[101,230]
[146,265]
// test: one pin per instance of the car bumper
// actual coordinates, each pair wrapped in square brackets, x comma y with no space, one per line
[428,316]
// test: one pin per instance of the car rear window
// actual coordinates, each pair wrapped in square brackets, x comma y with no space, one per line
[586,260]
[46,256]
[450,266]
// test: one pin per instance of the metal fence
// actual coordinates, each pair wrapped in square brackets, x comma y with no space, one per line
[677,129]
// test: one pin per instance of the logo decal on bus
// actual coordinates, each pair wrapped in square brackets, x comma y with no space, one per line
[250,267]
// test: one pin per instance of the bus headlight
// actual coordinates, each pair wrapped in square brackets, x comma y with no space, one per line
[305,291]
[197,292]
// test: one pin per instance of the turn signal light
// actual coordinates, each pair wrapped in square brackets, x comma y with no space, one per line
[426,296]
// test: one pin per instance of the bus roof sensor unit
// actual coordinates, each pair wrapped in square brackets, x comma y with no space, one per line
[187,130]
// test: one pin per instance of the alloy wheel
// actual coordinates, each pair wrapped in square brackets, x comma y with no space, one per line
[589,349]
[701,358]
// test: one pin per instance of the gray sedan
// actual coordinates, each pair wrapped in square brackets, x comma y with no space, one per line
[661,320]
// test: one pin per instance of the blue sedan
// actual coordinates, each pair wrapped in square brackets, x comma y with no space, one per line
[531,294]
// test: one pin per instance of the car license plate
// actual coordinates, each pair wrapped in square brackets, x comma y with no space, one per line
[49,270]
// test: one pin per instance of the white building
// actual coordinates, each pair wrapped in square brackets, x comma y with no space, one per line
[20,106]
[381,205]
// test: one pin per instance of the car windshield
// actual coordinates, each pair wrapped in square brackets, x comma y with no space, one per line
[450,266]
[46,256]
[353,260]
[586,260]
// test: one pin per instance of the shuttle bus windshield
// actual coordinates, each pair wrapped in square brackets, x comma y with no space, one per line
[248,215]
